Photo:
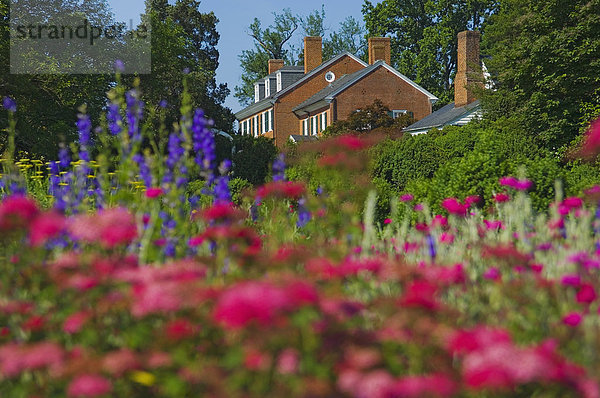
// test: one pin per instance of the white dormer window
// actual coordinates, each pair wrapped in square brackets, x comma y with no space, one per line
[267,87]
[279,84]
[256,92]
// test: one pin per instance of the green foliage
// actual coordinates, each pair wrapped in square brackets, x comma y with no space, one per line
[545,57]
[184,42]
[252,158]
[424,36]
[47,103]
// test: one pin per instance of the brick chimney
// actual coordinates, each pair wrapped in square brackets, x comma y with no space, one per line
[380,49]
[468,72]
[275,65]
[313,52]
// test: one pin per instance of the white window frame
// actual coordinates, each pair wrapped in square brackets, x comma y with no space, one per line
[267,87]
[256,92]
[398,112]
[255,132]
[315,127]
[324,121]
[271,117]
[279,83]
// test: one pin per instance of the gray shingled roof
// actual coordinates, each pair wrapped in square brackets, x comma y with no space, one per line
[442,116]
[345,80]
[269,101]
[323,97]
[256,107]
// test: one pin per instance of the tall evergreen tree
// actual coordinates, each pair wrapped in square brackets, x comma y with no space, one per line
[184,42]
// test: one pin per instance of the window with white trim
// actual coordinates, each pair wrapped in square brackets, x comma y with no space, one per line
[256,126]
[314,125]
[323,121]
[267,87]
[271,114]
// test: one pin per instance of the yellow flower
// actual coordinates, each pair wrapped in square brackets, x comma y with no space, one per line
[144,378]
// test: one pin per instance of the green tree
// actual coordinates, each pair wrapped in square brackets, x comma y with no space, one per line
[47,103]
[184,42]
[545,58]
[269,43]
[424,36]
[275,42]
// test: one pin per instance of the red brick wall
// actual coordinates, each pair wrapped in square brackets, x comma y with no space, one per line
[468,74]
[286,122]
[382,84]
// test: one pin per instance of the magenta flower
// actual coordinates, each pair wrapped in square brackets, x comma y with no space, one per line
[572,319]
[492,273]
[407,197]
[153,192]
[519,185]
[591,143]
[501,197]
[454,206]
[586,294]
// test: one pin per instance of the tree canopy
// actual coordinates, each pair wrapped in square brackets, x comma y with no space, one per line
[545,58]
[424,36]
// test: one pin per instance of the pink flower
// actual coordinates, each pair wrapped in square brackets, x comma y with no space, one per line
[287,362]
[387,221]
[15,358]
[153,192]
[110,227]
[75,322]
[439,221]
[45,227]
[89,386]
[247,302]
[17,212]
[406,197]
[492,273]
[180,329]
[519,185]
[470,340]
[493,225]
[572,319]
[446,238]
[119,362]
[571,280]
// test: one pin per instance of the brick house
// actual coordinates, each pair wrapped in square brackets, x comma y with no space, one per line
[303,101]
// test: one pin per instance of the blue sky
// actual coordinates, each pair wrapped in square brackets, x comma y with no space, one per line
[236,15]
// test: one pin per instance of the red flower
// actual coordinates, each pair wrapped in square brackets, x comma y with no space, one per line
[501,197]
[89,386]
[180,329]
[420,294]
[351,142]
[285,189]
[118,362]
[221,211]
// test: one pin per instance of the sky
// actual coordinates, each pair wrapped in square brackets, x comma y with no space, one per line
[234,18]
